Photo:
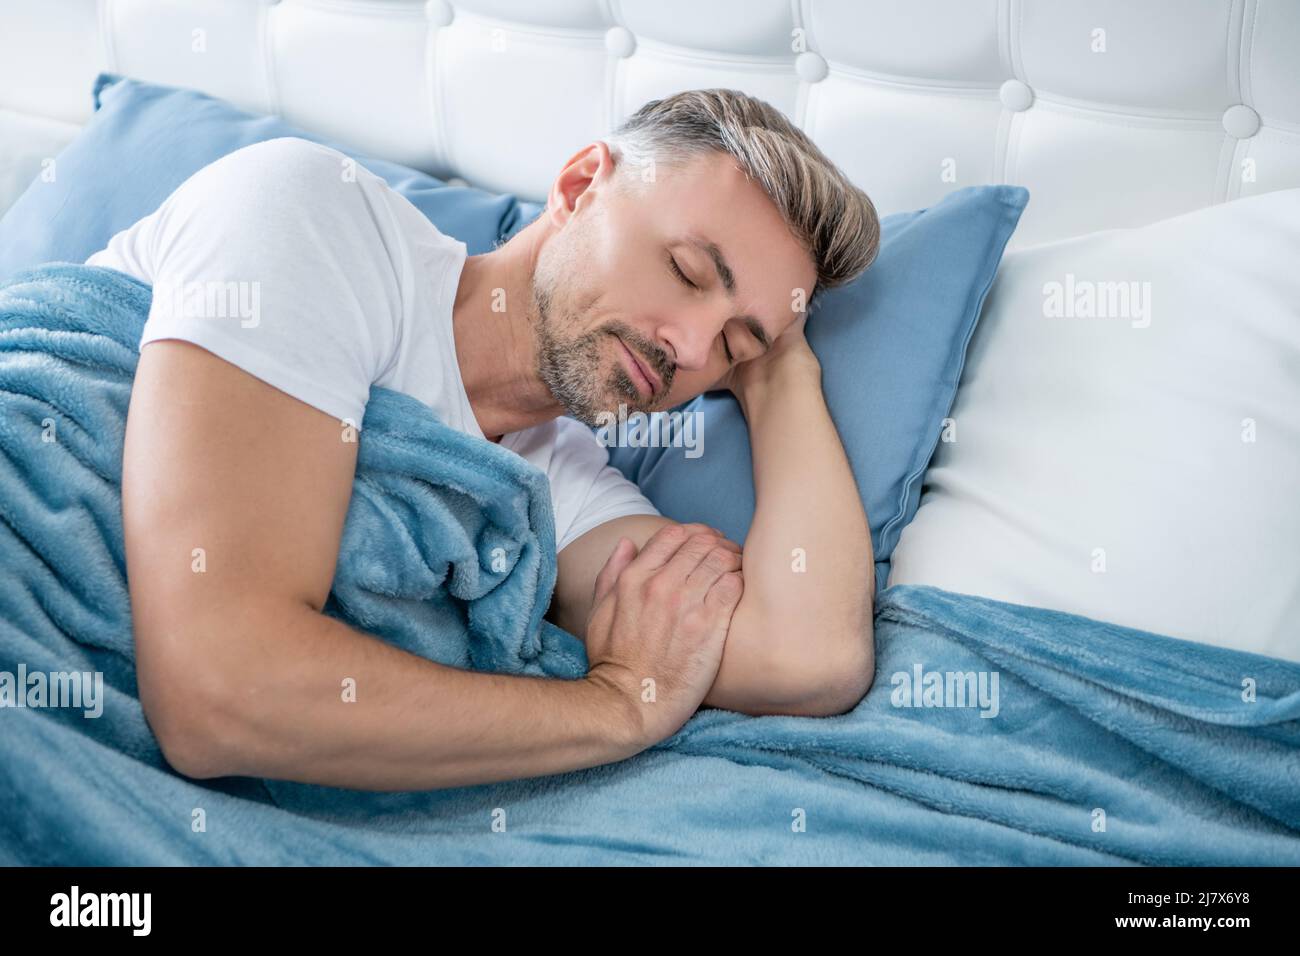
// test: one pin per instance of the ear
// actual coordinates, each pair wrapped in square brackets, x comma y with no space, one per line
[592,165]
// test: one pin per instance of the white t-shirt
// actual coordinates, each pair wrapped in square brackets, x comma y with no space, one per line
[309,272]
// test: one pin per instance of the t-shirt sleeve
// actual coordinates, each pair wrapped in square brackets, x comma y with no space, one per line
[277,260]
[593,490]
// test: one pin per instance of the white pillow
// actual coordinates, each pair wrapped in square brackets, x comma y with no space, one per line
[1135,462]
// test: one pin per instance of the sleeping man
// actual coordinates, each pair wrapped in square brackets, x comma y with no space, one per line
[677,256]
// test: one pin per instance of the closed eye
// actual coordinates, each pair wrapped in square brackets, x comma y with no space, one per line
[677,271]
[681,276]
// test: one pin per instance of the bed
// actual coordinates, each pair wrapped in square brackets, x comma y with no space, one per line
[1086,651]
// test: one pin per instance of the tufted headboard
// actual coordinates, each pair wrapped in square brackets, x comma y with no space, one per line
[1113,112]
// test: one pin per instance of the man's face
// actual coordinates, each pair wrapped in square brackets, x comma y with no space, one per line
[666,275]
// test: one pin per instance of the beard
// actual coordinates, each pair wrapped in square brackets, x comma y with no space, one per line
[569,361]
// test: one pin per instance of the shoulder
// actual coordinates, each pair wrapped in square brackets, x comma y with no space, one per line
[286,161]
[284,209]
[289,183]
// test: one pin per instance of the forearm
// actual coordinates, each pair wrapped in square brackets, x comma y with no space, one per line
[808,563]
[411,724]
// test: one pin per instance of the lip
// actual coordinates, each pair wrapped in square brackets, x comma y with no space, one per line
[645,379]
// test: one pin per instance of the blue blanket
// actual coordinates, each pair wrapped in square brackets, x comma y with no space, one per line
[994,733]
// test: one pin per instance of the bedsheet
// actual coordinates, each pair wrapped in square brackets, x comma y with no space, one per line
[993,734]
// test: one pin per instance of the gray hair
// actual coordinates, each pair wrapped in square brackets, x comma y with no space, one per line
[832,219]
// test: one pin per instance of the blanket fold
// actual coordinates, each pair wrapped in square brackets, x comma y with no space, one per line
[994,733]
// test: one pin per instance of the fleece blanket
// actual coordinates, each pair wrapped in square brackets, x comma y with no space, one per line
[994,733]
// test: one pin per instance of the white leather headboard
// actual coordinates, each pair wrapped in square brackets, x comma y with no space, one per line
[1112,112]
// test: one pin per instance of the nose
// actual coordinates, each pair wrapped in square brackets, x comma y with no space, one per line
[690,335]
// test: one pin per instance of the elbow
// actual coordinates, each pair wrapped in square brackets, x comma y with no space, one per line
[184,702]
[821,676]
[189,738]
[837,683]
[189,755]
[190,752]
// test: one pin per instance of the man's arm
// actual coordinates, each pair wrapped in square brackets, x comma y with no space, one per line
[240,673]
[801,641]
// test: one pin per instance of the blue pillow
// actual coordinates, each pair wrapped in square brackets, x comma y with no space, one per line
[145,140]
[891,346]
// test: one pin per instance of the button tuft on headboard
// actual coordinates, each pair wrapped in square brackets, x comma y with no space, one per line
[1240,121]
[620,42]
[1016,96]
[439,12]
[811,67]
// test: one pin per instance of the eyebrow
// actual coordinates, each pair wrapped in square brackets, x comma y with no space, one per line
[728,280]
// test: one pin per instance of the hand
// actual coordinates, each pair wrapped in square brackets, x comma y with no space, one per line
[789,350]
[662,616]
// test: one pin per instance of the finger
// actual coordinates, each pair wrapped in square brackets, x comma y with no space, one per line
[690,555]
[696,527]
[663,544]
[726,542]
[799,325]
[622,555]
[716,563]
[726,591]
